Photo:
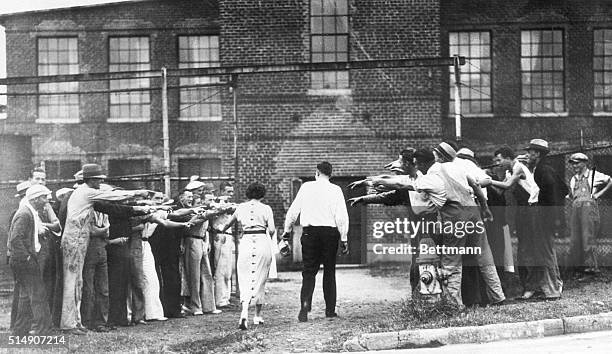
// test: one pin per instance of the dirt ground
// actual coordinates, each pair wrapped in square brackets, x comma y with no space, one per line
[364,297]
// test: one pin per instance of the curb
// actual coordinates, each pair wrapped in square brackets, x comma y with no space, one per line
[479,334]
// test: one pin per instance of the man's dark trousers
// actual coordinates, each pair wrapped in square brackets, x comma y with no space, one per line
[124,267]
[319,246]
[33,309]
[50,265]
[95,303]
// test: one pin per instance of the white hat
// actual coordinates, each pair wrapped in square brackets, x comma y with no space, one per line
[22,187]
[36,191]
[465,152]
[194,185]
[539,145]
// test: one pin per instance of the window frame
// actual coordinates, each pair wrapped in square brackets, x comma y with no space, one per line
[532,112]
[469,67]
[41,90]
[215,98]
[603,71]
[329,90]
[141,119]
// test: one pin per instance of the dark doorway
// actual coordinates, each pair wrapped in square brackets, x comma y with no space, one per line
[357,218]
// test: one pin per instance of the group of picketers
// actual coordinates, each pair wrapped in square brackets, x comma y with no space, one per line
[445,184]
[95,256]
[98,257]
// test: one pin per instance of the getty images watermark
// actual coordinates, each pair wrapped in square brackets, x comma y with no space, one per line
[412,228]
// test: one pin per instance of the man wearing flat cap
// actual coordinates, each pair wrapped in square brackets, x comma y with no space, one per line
[548,216]
[76,239]
[24,245]
[586,186]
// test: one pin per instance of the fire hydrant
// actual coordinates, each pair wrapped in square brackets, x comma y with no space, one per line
[432,278]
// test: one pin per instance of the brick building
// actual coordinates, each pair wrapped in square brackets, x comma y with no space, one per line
[534,68]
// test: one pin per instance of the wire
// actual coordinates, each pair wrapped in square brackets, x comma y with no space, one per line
[200,101]
[143,89]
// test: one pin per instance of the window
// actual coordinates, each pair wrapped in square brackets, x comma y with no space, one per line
[475,75]
[602,70]
[329,36]
[62,169]
[199,103]
[542,70]
[58,56]
[209,167]
[129,167]
[129,54]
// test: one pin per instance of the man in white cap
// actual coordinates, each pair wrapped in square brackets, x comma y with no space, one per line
[50,254]
[24,245]
[586,186]
[548,213]
[76,239]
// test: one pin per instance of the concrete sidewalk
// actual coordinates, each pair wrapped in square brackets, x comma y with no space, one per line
[479,334]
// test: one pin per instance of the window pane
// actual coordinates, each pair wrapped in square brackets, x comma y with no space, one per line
[58,55]
[542,71]
[475,76]
[201,103]
[329,39]
[602,69]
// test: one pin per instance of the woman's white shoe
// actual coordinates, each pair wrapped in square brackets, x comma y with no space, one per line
[258,320]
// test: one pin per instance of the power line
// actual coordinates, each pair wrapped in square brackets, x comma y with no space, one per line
[140,89]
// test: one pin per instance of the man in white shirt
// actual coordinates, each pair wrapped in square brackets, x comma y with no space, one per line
[322,211]
[586,186]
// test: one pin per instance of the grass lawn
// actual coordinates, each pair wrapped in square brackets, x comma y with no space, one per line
[369,300]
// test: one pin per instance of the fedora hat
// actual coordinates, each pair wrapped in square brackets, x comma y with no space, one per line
[539,145]
[93,170]
[446,150]
[467,154]
[22,188]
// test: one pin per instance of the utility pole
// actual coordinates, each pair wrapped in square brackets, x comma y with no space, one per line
[166,132]
[234,89]
[457,67]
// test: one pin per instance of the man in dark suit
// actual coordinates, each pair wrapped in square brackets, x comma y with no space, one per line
[24,245]
[548,214]
[166,245]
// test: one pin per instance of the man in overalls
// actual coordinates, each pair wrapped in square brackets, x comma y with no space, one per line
[586,186]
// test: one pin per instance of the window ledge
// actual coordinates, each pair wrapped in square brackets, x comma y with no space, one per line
[545,114]
[602,114]
[329,92]
[200,119]
[57,121]
[128,120]
[474,115]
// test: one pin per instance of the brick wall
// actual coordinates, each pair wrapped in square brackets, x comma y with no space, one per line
[285,132]
[505,20]
[94,140]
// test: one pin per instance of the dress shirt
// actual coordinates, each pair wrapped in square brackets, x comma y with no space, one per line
[472,170]
[319,203]
[430,189]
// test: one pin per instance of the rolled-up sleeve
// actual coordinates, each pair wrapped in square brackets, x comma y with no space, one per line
[341,215]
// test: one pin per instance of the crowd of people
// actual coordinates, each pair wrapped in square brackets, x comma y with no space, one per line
[99,256]
[96,257]
[446,184]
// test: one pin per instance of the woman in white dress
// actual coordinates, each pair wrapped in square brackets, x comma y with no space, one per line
[254,251]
